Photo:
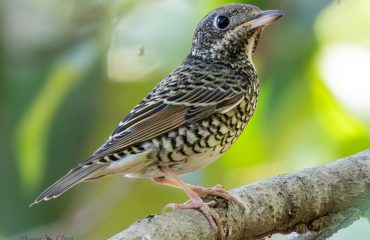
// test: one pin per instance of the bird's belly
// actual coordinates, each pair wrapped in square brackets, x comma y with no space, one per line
[199,160]
[150,166]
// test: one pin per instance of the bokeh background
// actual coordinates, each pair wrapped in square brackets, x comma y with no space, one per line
[71,70]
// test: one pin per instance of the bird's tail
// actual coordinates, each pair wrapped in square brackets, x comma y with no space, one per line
[72,178]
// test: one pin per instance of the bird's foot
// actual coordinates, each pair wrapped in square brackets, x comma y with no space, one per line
[217,190]
[197,203]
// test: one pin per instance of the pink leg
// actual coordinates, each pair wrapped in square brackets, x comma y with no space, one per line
[217,190]
[195,202]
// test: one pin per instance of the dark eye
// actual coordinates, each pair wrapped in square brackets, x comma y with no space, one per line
[222,22]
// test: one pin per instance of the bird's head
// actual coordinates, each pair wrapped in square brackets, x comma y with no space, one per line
[231,32]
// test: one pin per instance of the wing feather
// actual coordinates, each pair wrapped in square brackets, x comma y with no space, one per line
[69,180]
[165,114]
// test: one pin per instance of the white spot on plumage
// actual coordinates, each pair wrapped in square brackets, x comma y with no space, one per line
[190,137]
[224,129]
[167,144]
[211,141]
[119,164]
[130,165]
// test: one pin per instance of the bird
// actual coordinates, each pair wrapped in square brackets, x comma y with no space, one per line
[192,117]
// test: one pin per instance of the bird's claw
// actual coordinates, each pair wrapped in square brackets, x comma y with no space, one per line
[217,190]
[203,207]
[190,204]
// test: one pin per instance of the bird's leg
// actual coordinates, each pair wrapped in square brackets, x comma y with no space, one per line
[195,202]
[217,190]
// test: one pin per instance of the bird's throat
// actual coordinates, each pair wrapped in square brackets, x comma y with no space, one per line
[234,49]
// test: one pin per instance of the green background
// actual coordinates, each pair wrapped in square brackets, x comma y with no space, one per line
[71,70]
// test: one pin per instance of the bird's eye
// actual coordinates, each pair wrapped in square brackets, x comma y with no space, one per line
[222,22]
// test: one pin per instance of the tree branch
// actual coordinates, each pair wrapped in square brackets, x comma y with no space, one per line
[314,203]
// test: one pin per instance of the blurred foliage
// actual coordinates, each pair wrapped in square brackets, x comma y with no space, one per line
[70,70]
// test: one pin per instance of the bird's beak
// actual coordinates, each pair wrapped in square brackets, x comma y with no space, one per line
[265,18]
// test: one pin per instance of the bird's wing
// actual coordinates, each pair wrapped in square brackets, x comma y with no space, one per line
[160,115]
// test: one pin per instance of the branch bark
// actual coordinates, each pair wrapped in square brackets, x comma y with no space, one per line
[314,203]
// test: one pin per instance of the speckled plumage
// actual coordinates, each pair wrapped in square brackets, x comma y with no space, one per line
[197,142]
[193,115]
